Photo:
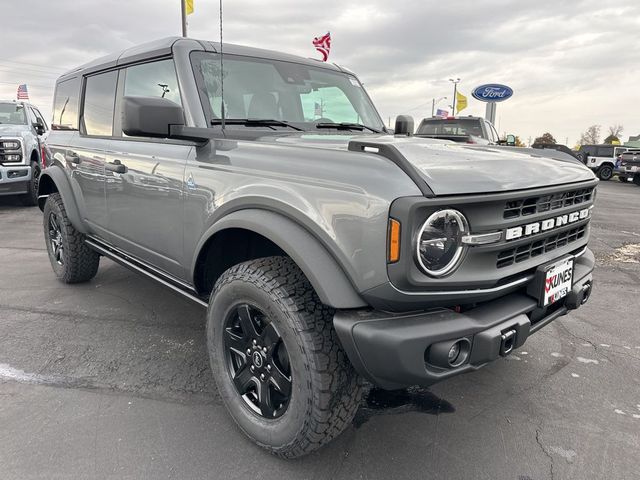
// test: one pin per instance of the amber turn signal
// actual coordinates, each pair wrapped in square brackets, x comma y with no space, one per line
[394,241]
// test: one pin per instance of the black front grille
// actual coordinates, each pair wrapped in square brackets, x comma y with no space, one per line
[539,247]
[546,203]
[16,153]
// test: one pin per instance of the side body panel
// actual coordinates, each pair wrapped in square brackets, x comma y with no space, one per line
[342,198]
[85,161]
[145,204]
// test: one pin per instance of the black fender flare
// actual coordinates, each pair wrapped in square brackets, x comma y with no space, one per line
[56,176]
[321,269]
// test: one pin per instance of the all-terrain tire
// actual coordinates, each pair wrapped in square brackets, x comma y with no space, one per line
[76,263]
[325,389]
[30,198]
[636,179]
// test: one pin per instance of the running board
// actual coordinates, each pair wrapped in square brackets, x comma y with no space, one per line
[127,261]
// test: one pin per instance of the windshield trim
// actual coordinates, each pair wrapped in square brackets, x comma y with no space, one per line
[211,119]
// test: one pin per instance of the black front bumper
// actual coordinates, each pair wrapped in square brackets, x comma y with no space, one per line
[397,350]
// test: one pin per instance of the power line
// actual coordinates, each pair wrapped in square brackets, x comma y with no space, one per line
[24,73]
[36,65]
[51,85]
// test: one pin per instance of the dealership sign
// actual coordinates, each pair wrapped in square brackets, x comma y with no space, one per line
[492,92]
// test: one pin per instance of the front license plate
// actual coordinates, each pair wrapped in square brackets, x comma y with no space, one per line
[558,281]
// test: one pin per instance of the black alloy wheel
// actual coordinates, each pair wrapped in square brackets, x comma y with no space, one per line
[605,172]
[55,239]
[257,361]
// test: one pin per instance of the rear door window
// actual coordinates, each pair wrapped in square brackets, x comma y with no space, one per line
[99,102]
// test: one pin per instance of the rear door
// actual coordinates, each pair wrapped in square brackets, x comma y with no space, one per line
[145,199]
[93,143]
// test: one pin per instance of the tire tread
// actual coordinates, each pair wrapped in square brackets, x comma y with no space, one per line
[336,387]
[81,262]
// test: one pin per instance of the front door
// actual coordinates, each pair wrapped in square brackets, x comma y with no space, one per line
[144,178]
[145,201]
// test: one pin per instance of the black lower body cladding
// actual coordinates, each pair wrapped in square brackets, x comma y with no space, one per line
[397,350]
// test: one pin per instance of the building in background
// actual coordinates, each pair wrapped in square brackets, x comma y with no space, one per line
[634,141]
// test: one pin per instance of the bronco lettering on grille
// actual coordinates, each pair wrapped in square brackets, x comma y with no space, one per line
[546,225]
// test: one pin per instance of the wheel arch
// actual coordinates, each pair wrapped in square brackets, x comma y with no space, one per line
[54,180]
[255,233]
[607,163]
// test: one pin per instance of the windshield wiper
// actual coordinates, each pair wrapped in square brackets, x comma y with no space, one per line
[255,122]
[346,126]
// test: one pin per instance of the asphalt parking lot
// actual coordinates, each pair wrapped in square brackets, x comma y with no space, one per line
[110,379]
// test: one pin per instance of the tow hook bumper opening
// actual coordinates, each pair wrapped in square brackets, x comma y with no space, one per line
[507,343]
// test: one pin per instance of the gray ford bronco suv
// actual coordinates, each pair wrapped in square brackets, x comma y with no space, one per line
[326,250]
[22,129]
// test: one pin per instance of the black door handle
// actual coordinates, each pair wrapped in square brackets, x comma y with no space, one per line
[116,166]
[72,157]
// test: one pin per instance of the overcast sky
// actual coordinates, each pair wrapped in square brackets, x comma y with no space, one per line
[571,63]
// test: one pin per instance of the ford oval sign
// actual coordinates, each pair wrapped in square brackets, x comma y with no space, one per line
[492,92]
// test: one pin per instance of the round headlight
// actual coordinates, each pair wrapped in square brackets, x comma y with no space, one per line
[440,247]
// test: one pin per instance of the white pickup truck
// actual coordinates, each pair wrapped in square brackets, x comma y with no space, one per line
[22,129]
[601,158]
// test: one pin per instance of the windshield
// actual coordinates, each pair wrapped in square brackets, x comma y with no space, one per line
[450,127]
[300,95]
[12,113]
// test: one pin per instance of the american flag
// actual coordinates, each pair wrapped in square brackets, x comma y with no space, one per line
[442,113]
[22,92]
[323,45]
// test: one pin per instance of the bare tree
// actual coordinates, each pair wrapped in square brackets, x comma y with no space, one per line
[615,131]
[591,135]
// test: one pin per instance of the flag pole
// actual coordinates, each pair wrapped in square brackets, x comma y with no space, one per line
[222,112]
[184,17]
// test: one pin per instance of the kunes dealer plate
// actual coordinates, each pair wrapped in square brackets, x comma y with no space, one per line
[558,282]
[553,281]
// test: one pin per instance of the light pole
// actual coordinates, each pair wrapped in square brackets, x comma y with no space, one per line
[455,82]
[183,5]
[433,104]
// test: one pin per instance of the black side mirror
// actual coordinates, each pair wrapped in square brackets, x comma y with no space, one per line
[39,128]
[404,125]
[150,116]
[159,117]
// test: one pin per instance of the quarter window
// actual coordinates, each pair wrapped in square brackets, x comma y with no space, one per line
[99,100]
[604,152]
[157,79]
[65,105]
